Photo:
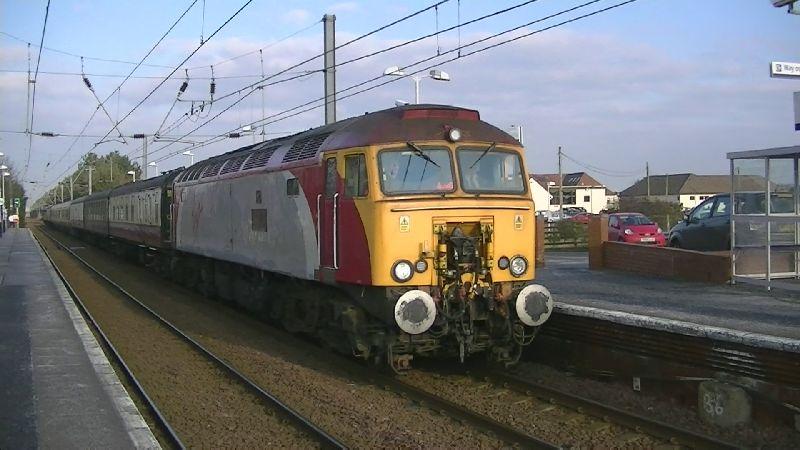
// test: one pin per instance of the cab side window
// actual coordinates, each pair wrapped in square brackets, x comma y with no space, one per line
[355,176]
[613,222]
[722,207]
[330,177]
[703,211]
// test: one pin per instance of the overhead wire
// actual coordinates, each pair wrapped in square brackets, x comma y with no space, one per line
[601,171]
[120,75]
[395,79]
[101,104]
[247,3]
[33,98]
[75,55]
[363,36]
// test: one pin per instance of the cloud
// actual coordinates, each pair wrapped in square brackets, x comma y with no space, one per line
[343,7]
[609,103]
[296,17]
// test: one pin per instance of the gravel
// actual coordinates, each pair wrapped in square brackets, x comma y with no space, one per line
[665,410]
[360,414]
[205,406]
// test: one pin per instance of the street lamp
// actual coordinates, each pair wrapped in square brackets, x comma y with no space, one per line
[436,74]
[5,174]
[131,172]
[190,155]
[153,164]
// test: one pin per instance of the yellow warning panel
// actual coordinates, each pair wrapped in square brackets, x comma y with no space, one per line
[518,222]
[405,224]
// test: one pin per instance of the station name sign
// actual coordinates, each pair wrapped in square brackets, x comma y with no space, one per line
[784,70]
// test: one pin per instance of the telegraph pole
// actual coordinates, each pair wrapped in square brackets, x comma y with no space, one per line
[647,171]
[560,186]
[329,23]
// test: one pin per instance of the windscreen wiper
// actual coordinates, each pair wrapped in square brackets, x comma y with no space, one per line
[490,148]
[418,151]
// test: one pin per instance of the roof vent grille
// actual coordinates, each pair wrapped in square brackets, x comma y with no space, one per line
[305,148]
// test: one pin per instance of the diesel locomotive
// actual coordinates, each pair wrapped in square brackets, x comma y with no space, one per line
[403,232]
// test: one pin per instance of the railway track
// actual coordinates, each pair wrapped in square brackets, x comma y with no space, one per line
[637,422]
[325,439]
[499,428]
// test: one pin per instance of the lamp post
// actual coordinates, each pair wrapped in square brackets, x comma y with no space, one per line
[436,74]
[190,155]
[3,169]
[132,172]
[5,174]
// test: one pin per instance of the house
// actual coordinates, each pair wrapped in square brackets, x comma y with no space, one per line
[541,198]
[687,189]
[578,190]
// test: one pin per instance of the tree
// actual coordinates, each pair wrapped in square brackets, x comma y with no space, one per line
[13,189]
[108,172]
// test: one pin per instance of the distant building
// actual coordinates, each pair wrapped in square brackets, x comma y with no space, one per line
[579,190]
[687,189]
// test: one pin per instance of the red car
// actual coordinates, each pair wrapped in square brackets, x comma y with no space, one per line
[634,228]
[581,217]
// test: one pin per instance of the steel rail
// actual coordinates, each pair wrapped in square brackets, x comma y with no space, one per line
[161,421]
[462,414]
[639,423]
[324,438]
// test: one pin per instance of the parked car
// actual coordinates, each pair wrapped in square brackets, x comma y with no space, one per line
[707,227]
[582,217]
[552,216]
[634,228]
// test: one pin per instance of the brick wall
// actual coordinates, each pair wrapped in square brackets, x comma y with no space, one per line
[667,262]
[662,262]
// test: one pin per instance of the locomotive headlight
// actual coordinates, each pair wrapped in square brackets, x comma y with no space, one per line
[502,263]
[454,134]
[402,271]
[518,266]
[421,265]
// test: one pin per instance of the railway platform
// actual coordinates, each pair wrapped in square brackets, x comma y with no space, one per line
[740,314]
[57,388]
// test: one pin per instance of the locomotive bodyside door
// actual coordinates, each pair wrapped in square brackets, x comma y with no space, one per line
[327,203]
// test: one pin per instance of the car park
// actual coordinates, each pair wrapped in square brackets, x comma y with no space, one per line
[581,217]
[634,228]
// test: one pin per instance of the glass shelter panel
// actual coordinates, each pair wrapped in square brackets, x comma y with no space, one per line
[749,186]
[766,220]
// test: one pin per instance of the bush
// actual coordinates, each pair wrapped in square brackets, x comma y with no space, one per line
[665,214]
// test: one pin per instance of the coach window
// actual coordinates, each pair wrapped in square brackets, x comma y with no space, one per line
[330,177]
[355,176]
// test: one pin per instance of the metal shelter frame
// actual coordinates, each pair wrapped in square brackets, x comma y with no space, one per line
[765,235]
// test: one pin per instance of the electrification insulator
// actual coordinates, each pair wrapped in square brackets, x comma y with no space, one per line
[213,87]
[47,134]
[184,86]
[87,83]
[234,135]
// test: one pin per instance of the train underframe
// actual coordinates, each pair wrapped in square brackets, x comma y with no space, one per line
[357,320]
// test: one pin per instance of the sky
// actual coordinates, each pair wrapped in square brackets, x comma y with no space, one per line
[675,84]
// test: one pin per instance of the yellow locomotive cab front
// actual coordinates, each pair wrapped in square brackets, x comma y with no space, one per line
[451,235]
